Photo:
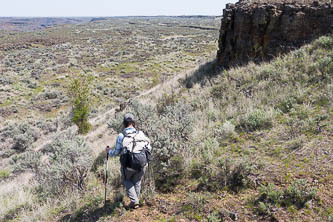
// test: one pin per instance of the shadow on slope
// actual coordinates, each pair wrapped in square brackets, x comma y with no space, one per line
[211,68]
[85,214]
[204,73]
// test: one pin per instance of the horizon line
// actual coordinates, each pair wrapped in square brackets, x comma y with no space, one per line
[107,16]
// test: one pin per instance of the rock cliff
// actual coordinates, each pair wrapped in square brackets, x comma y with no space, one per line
[259,31]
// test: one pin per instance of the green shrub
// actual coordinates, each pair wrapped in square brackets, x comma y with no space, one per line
[70,159]
[296,143]
[316,125]
[167,180]
[30,160]
[255,120]
[196,169]
[165,101]
[298,54]
[146,117]
[224,131]
[214,216]
[233,175]
[209,150]
[325,66]
[270,194]
[323,99]
[194,207]
[98,162]
[263,209]
[303,121]
[67,166]
[287,104]
[80,92]
[269,197]
[298,193]
[22,136]
[325,42]
[239,176]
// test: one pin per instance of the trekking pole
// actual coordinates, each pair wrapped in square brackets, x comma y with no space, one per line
[106,176]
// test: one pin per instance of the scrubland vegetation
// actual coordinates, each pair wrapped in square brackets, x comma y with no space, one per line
[249,143]
[126,56]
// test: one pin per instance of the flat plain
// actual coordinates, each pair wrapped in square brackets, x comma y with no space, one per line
[125,55]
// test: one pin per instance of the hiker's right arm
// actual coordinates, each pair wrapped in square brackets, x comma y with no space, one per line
[118,147]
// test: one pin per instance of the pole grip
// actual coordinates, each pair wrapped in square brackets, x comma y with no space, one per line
[107,154]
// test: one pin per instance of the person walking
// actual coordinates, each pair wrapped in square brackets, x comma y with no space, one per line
[134,149]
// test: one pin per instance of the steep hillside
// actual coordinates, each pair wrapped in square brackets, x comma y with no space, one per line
[260,30]
[254,143]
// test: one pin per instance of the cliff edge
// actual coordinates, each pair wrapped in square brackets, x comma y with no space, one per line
[261,30]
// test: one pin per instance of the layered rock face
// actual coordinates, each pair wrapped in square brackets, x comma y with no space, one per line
[260,31]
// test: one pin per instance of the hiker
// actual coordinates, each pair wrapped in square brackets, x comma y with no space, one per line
[134,149]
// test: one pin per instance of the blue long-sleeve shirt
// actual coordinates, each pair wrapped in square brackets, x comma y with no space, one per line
[118,148]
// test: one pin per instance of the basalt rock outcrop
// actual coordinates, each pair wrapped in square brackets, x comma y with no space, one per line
[253,31]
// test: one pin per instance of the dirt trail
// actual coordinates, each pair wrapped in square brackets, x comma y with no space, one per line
[100,136]
[149,96]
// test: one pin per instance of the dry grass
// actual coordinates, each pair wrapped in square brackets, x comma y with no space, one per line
[15,196]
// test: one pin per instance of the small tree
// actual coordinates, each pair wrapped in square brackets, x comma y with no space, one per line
[80,92]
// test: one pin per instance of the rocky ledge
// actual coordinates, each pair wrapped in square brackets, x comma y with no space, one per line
[256,31]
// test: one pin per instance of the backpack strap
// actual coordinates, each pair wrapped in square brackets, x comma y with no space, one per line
[134,141]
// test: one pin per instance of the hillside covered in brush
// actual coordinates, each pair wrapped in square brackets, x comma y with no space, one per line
[251,143]
[242,135]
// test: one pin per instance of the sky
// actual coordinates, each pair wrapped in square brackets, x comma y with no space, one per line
[63,8]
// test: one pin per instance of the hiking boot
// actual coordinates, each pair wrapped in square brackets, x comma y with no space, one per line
[133,205]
